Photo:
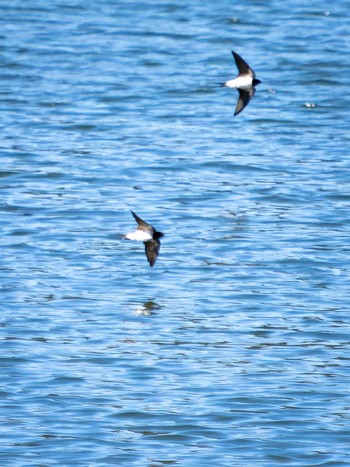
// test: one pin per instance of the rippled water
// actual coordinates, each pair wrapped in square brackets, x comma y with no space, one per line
[234,348]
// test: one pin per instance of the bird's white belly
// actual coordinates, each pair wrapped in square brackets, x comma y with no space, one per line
[241,82]
[139,236]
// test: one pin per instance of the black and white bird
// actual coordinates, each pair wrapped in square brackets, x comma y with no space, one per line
[244,82]
[149,236]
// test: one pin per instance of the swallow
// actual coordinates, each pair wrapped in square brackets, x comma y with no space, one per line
[149,236]
[244,82]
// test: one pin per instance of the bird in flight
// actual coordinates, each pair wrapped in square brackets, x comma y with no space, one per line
[244,82]
[149,236]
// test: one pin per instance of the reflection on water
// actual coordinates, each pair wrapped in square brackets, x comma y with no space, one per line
[147,308]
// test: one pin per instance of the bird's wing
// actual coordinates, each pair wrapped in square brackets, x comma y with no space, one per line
[242,65]
[243,100]
[142,225]
[152,251]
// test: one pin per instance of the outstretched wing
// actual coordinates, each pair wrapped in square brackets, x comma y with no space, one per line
[243,100]
[142,225]
[242,65]
[152,251]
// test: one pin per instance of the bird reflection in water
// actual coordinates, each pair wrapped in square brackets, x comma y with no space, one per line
[147,308]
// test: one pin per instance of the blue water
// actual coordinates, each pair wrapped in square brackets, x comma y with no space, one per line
[234,348]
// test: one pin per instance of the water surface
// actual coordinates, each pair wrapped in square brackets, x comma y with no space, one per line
[234,348]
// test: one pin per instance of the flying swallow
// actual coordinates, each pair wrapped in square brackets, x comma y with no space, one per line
[244,82]
[149,236]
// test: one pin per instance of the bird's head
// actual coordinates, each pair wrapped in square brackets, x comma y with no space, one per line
[157,235]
